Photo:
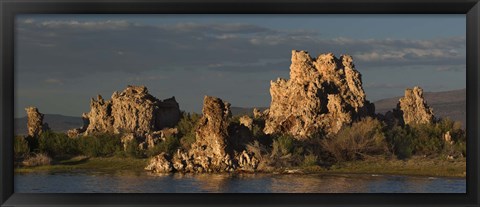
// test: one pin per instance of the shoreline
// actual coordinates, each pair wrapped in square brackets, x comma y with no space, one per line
[417,166]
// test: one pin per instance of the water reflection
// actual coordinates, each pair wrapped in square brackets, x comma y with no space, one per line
[90,182]
[314,183]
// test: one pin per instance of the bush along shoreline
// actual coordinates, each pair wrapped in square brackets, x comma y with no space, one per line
[365,146]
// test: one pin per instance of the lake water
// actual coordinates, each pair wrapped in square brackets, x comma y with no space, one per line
[92,182]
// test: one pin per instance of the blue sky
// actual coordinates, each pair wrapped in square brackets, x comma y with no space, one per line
[63,60]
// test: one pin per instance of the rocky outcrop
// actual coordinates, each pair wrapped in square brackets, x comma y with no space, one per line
[447,137]
[322,95]
[133,110]
[257,113]
[35,123]
[152,139]
[214,148]
[247,162]
[210,149]
[246,121]
[100,117]
[160,164]
[413,109]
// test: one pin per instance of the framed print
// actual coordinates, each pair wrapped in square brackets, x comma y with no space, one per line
[222,103]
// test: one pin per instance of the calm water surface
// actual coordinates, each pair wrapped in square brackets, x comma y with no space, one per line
[91,182]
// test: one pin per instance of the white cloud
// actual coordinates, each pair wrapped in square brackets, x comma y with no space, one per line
[73,24]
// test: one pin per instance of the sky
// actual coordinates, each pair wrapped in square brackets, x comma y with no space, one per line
[61,61]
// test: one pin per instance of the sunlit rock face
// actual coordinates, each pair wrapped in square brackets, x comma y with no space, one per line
[413,108]
[214,150]
[212,136]
[35,123]
[133,110]
[322,95]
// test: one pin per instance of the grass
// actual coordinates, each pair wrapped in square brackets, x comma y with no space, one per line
[419,166]
[110,164]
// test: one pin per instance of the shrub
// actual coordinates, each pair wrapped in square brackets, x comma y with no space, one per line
[187,123]
[20,147]
[133,149]
[426,139]
[282,145]
[37,160]
[357,141]
[310,160]
[261,153]
[429,139]
[286,151]
[187,140]
[186,129]
[168,146]
[57,144]
[400,141]
[100,145]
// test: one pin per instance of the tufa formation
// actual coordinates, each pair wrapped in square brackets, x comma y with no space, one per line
[35,123]
[411,109]
[213,150]
[322,95]
[132,111]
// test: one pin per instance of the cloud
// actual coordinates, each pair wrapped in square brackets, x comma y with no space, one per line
[88,25]
[77,48]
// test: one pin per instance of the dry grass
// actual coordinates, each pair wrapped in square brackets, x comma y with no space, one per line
[414,166]
[40,159]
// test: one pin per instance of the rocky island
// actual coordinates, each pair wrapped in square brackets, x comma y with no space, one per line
[319,120]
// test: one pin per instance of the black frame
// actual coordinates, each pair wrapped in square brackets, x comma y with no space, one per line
[9,8]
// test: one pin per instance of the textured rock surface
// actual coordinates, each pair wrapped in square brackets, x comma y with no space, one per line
[210,148]
[78,131]
[160,164]
[322,95]
[100,117]
[133,110]
[35,123]
[448,138]
[216,141]
[413,108]
[152,139]
[257,113]
[246,121]
[247,162]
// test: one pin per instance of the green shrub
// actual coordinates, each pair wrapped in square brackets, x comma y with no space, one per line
[169,146]
[187,123]
[310,160]
[20,147]
[361,139]
[429,139]
[400,140]
[100,145]
[282,145]
[426,139]
[187,140]
[186,129]
[57,144]
[133,149]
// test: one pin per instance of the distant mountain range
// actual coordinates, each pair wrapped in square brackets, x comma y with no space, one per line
[56,122]
[445,104]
